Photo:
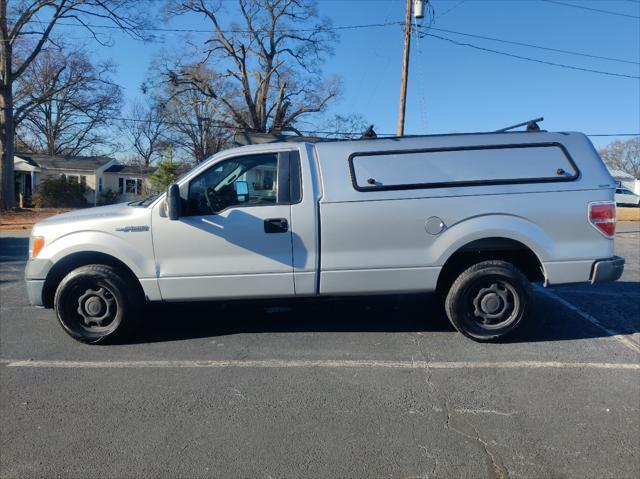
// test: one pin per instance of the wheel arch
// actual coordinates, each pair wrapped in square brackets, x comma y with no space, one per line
[68,263]
[521,255]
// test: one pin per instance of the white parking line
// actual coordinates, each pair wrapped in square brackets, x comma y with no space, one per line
[614,334]
[320,363]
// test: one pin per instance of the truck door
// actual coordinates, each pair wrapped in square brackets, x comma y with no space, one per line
[233,237]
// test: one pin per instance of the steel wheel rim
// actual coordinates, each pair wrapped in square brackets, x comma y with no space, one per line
[493,304]
[91,308]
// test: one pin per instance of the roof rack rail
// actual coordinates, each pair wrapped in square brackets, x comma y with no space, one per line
[532,125]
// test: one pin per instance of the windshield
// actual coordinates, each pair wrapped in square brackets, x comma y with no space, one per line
[150,199]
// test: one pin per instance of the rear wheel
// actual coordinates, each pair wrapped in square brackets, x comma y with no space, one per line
[489,300]
[96,304]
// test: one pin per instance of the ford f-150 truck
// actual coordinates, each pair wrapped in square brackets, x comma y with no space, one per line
[476,217]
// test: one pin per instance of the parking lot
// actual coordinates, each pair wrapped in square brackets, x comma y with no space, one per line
[351,387]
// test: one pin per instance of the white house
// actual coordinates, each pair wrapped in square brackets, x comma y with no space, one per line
[97,174]
[128,181]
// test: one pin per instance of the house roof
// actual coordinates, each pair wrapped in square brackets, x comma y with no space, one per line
[619,174]
[78,163]
[131,169]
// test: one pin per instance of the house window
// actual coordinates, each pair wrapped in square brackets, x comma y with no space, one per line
[81,179]
[129,186]
[100,184]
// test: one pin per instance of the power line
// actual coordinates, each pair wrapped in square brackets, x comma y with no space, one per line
[529,45]
[319,132]
[450,9]
[614,134]
[608,12]
[225,126]
[371,25]
[561,65]
[210,31]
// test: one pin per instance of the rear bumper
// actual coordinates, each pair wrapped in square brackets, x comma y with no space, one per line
[607,270]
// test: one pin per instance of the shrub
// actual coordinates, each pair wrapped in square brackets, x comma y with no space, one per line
[110,197]
[59,192]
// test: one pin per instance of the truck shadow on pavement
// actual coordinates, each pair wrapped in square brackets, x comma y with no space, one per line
[398,313]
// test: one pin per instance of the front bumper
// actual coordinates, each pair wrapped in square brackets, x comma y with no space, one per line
[34,291]
[607,270]
[35,274]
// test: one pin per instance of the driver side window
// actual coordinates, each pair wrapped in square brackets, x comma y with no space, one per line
[243,181]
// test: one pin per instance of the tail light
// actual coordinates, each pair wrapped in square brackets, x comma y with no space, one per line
[602,215]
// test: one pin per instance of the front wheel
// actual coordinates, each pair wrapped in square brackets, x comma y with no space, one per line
[489,300]
[95,303]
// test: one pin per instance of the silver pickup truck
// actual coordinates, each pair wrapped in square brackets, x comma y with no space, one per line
[476,217]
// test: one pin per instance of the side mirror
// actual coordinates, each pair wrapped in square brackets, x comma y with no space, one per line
[173,202]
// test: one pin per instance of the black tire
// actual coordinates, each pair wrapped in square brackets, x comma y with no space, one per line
[489,300]
[97,304]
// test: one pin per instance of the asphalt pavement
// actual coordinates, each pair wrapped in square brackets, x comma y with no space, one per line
[351,387]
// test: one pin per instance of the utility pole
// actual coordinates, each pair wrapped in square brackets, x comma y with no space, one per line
[405,69]
[405,60]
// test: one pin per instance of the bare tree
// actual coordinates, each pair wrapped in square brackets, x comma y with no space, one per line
[194,126]
[268,66]
[624,156]
[31,23]
[343,126]
[73,120]
[145,129]
[195,122]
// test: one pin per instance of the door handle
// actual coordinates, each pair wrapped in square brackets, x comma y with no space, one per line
[276,225]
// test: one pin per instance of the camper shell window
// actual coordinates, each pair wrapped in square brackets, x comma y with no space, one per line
[461,166]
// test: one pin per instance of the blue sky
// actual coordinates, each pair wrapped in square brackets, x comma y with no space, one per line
[455,88]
